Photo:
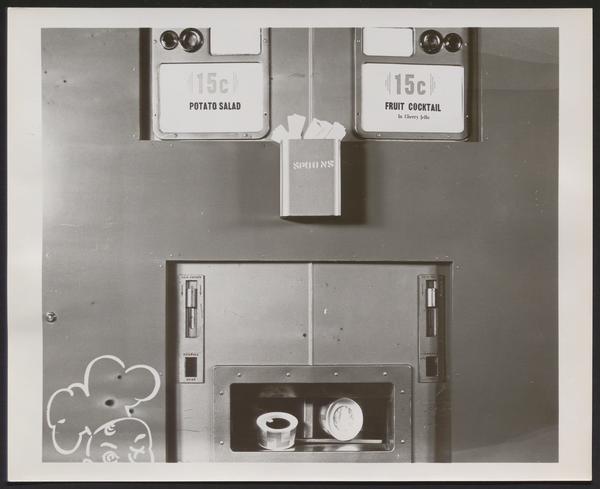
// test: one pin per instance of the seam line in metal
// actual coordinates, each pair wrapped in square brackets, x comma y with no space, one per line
[310,314]
[310,76]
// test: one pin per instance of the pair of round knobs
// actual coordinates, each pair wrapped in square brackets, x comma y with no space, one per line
[190,39]
[431,42]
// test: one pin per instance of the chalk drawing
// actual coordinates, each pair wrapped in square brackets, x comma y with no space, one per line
[120,440]
[75,409]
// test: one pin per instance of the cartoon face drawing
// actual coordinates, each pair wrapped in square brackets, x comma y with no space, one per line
[120,440]
[96,414]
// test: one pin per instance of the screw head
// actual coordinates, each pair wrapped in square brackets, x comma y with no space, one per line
[401,391]
[221,393]
[335,374]
[221,442]
[402,441]
[287,374]
[51,317]
[385,374]
[239,374]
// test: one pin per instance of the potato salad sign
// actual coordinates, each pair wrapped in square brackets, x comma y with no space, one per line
[412,98]
[210,97]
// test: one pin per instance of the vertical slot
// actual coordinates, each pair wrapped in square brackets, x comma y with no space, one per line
[431,326]
[191,309]
[431,366]
[431,286]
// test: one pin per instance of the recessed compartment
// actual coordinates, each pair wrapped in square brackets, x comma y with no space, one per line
[306,401]
[329,413]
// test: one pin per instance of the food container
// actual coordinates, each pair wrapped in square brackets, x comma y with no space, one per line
[342,419]
[276,430]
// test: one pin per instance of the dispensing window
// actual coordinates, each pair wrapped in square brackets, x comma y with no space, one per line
[330,416]
[312,412]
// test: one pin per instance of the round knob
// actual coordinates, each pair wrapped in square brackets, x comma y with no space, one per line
[169,40]
[431,41]
[453,42]
[191,39]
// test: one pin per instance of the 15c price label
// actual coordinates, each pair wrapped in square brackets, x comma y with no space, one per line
[409,84]
[211,82]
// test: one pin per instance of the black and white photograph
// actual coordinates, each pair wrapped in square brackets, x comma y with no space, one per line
[326,244]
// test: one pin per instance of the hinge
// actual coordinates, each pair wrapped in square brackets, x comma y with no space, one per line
[431,328]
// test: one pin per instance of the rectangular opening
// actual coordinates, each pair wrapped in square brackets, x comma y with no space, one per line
[191,308]
[431,326]
[191,367]
[431,366]
[305,401]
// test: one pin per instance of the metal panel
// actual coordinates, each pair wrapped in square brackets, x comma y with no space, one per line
[399,375]
[289,58]
[368,313]
[255,314]
[100,276]
[117,208]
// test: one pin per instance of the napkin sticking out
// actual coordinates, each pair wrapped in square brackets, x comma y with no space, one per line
[295,125]
[316,129]
[279,134]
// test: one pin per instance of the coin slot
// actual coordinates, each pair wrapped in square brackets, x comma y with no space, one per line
[191,308]
[431,326]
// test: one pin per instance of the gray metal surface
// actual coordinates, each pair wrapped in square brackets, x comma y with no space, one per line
[366,313]
[255,315]
[398,375]
[116,209]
